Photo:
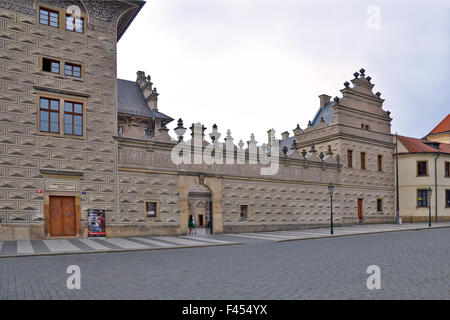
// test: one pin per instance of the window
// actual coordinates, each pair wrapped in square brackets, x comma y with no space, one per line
[422,198]
[244,211]
[150,209]
[120,129]
[380,163]
[447,198]
[447,169]
[363,160]
[379,205]
[72,70]
[421,168]
[50,65]
[49,115]
[49,17]
[349,158]
[73,118]
[74,24]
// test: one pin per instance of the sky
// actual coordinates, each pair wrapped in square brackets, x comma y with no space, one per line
[253,65]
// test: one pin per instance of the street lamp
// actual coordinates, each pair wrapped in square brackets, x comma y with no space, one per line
[330,192]
[429,191]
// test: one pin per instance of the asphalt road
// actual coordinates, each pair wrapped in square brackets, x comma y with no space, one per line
[413,265]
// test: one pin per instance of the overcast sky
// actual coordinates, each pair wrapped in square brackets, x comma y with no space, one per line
[252,65]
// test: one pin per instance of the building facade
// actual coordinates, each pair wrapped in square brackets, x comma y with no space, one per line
[423,164]
[74,139]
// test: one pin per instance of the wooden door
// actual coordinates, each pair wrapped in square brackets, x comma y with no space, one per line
[360,210]
[62,216]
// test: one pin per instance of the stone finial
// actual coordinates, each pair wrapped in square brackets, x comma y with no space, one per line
[241,144]
[285,150]
[140,75]
[214,135]
[180,130]
[321,156]
[321,119]
[378,94]
[297,130]
[285,135]
[329,151]
[229,137]
[368,79]
[347,84]
[313,149]
[294,145]
[388,113]
[336,99]
[356,74]
[304,153]
[197,125]
[309,123]
[252,139]
[362,71]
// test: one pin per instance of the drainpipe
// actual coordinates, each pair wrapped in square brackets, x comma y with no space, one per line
[435,185]
[397,217]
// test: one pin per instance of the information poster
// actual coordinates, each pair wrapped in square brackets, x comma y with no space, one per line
[96,223]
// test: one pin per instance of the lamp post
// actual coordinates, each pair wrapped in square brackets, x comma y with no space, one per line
[429,191]
[330,192]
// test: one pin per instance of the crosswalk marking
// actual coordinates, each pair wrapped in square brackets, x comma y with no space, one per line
[206,239]
[125,244]
[60,245]
[254,237]
[181,241]
[24,246]
[266,234]
[93,244]
[155,242]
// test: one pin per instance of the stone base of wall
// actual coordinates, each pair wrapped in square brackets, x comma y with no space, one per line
[123,231]
[12,232]
[424,219]
[242,228]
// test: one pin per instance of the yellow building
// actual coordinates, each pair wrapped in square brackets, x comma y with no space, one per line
[422,164]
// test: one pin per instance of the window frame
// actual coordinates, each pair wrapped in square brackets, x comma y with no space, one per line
[349,158]
[363,160]
[447,198]
[73,114]
[68,16]
[49,11]
[447,169]
[49,111]
[426,168]
[379,205]
[380,163]
[72,67]
[157,213]
[247,210]
[51,61]
[422,203]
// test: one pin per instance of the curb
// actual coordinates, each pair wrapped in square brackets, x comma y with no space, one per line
[362,233]
[21,255]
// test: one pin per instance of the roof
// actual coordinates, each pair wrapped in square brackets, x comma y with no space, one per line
[443,126]
[423,146]
[131,101]
[128,17]
[287,143]
[327,113]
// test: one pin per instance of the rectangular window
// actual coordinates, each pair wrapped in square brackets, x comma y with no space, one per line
[447,168]
[74,24]
[120,130]
[73,118]
[363,160]
[447,198]
[422,198]
[380,163]
[244,211]
[349,158]
[50,65]
[49,17]
[421,168]
[49,115]
[379,205]
[72,70]
[150,209]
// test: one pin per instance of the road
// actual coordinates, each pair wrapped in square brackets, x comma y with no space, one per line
[413,264]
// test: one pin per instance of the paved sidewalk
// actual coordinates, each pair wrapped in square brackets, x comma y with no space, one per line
[305,234]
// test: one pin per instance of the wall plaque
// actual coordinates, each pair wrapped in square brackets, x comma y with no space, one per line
[61,186]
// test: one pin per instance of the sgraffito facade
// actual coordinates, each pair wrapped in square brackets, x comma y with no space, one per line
[73,138]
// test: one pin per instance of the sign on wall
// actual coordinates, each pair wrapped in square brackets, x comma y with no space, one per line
[96,223]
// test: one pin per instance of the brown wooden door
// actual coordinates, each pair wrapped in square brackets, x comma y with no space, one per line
[360,210]
[62,217]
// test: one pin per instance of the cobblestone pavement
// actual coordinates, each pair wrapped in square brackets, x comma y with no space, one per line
[414,265]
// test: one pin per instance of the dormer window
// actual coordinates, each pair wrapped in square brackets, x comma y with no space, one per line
[74,24]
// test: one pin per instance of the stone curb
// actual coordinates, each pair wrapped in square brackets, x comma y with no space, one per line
[362,233]
[21,255]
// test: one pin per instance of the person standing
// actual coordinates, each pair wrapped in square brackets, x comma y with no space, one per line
[191,224]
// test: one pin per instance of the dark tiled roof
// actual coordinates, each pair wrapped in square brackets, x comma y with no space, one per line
[443,126]
[423,146]
[327,113]
[131,101]
[287,143]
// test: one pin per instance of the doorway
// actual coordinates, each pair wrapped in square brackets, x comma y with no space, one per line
[360,210]
[199,204]
[62,216]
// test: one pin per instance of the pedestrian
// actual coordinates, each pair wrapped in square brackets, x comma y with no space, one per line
[191,225]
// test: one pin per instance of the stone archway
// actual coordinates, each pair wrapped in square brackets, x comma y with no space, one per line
[193,189]
[199,204]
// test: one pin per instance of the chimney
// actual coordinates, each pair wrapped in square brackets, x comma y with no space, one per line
[285,135]
[270,136]
[324,99]
[152,99]
[140,78]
